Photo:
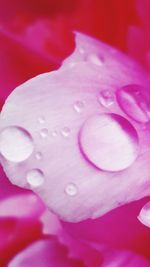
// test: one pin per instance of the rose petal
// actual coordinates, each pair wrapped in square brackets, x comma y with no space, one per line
[61,102]
[44,253]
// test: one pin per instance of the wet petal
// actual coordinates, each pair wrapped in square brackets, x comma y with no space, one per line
[77,189]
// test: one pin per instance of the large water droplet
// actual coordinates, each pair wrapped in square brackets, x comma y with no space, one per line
[16,144]
[144,215]
[109,141]
[78,106]
[44,133]
[106,98]
[71,189]
[65,131]
[35,177]
[134,103]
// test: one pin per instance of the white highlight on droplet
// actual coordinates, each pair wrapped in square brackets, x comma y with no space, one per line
[71,189]
[16,144]
[35,177]
[144,215]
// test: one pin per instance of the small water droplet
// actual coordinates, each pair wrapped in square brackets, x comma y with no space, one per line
[134,103]
[35,177]
[144,215]
[81,51]
[106,98]
[16,144]
[65,131]
[41,120]
[72,64]
[54,133]
[78,106]
[44,133]
[96,59]
[71,189]
[109,142]
[38,155]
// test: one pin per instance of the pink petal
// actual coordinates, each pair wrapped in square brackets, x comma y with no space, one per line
[119,229]
[124,259]
[22,206]
[58,114]
[44,253]
[15,235]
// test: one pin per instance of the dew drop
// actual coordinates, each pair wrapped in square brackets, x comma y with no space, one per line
[35,177]
[81,51]
[96,59]
[41,120]
[65,131]
[16,144]
[71,189]
[54,133]
[72,64]
[44,133]
[38,155]
[144,215]
[109,142]
[106,98]
[134,103]
[78,106]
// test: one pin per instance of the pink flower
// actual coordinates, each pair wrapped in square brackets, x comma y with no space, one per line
[78,136]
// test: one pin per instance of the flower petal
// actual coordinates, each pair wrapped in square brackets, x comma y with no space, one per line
[80,159]
[44,253]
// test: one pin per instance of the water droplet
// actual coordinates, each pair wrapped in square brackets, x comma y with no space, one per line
[106,98]
[65,131]
[78,106]
[44,133]
[134,103]
[16,144]
[81,51]
[109,142]
[144,215]
[71,189]
[38,155]
[72,64]
[96,59]
[41,120]
[54,133]
[35,177]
